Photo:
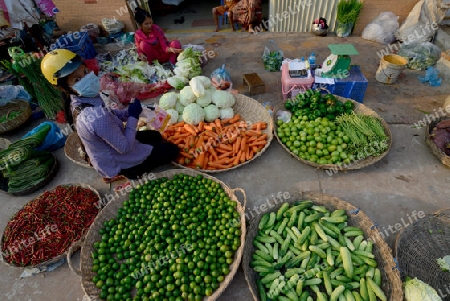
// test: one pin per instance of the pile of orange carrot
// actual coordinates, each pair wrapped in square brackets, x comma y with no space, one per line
[217,145]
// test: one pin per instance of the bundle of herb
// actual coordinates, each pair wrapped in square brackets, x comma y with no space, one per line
[348,11]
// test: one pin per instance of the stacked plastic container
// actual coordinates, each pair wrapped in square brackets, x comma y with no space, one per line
[291,86]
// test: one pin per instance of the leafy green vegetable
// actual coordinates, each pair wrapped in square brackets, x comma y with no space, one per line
[416,289]
[272,62]
[444,263]
[188,63]
[420,56]
[211,113]
[187,96]
[366,134]
[223,99]
[173,116]
[193,114]
[177,81]
[168,100]
[348,11]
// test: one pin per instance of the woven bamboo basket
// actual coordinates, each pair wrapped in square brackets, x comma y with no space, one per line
[251,111]
[17,105]
[60,256]
[391,283]
[361,109]
[4,143]
[419,245]
[110,211]
[44,181]
[72,150]
[434,149]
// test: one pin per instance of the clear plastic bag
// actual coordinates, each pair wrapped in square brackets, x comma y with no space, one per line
[284,116]
[272,56]
[382,29]
[420,55]
[154,118]
[221,79]
[10,92]
[112,25]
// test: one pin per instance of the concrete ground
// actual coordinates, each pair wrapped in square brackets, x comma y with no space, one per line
[408,179]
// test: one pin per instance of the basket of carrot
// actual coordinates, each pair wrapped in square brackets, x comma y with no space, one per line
[223,144]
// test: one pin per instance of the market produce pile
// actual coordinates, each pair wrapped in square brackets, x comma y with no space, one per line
[324,130]
[221,144]
[22,165]
[10,116]
[416,289]
[198,102]
[440,135]
[444,263]
[187,67]
[273,60]
[305,250]
[127,65]
[172,239]
[27,68]
[47,226]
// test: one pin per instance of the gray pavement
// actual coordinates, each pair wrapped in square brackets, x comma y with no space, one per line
[408,179]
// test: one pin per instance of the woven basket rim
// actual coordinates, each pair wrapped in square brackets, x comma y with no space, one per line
[18,104]
[44,182]
[417,261]
[359,108]
[110,210]
[437,152]
[4,143]
[381,249]
[58,257]
[71,150]
[255,106]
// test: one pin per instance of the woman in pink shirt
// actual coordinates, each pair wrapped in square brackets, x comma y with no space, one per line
[151,42]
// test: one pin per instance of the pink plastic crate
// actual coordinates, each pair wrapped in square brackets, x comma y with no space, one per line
[291,86]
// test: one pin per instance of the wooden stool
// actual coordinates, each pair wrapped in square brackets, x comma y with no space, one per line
[254,83]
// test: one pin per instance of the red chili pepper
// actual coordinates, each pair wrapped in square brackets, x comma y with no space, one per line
[72,209]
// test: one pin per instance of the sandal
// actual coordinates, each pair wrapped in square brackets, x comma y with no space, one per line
[113,179]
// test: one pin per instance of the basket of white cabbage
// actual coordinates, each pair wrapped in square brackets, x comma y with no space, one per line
[423,253]
[200,102]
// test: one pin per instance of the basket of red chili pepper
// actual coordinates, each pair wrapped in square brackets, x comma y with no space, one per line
[44,229]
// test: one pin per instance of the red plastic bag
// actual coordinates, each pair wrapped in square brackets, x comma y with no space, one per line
[93,65]
[125,91]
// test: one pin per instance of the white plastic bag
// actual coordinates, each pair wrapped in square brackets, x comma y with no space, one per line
[423,21]
[112,25]
[382,29]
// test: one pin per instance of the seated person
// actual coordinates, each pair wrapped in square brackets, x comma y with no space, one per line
[221,10]
[247,12]
[151,42]
[114,150]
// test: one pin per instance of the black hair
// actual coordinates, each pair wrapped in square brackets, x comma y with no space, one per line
[66,90]
[140,15]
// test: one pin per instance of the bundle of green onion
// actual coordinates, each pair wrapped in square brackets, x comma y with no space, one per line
[366,134]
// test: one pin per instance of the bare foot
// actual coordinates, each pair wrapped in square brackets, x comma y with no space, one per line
[217,29]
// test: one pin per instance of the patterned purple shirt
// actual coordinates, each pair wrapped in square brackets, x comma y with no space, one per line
[110,146]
